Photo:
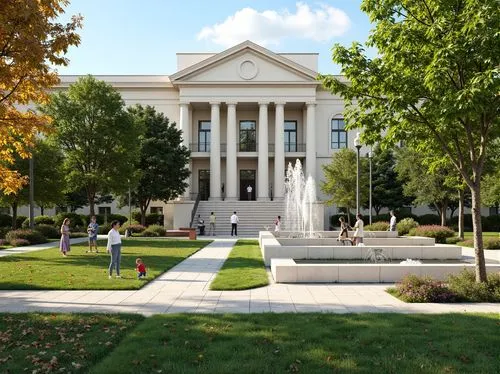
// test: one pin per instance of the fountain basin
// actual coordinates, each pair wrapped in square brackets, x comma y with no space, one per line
[271,247]
[287,270]
[333,242]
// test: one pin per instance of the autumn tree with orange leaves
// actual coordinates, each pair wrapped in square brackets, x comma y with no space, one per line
[31,42]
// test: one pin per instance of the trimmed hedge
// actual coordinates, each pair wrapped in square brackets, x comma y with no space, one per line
[5,220]
[488,243]
[378,226]
[159,230]
[39,220]
[48,231]
[75,220]
[151,219]
[440,233]
[405,225]
[135,229]
[32,236]
[429,219]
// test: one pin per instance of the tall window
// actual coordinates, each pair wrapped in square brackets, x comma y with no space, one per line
[338,135]
[104,210]
[290,136]
[156,210]
[248,142]
[204,136]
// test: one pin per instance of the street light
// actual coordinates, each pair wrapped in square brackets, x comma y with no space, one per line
[32,190]
[357,144]
[369,154]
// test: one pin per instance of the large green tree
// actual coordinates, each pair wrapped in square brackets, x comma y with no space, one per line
[426,186]
[340,180]
[434,84]
[387,188]
[163,159]
[48,178]
[99,139]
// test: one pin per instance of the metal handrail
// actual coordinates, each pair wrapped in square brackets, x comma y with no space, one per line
[195,208]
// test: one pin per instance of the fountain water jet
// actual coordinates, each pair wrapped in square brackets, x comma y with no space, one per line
[300,197]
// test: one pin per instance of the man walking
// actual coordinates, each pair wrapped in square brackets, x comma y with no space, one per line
[392,223]
[249,192]
[234,224]
[211,229]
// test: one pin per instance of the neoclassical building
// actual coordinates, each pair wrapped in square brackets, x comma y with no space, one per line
[245,114]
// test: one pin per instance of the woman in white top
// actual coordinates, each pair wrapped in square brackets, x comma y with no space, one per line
[359,233]
[115,247]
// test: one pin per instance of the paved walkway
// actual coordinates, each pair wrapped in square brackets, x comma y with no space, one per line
[37,247]
[185,289]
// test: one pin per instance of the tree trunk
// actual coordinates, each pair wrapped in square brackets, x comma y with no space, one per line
[461,199]
[444,208]
[349,216]
[91,199]
[14,215]
[377,211]
[478,233]
[143,215]
[41,210]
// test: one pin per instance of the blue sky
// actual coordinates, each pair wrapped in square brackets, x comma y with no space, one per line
[142,37]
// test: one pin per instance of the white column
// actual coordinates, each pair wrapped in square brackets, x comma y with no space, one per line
[263,155]
[279,152]
[215,174]
[185,127]
[311,140]
[231,155]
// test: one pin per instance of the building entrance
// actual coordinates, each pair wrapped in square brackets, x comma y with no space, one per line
[247,178]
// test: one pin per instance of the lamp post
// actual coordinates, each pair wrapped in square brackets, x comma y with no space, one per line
[32,190]
[357,144]
[369,154]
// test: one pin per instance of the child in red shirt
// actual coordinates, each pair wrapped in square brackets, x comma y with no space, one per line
[140,267]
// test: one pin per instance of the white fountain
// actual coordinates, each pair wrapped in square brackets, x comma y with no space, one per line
[300,199]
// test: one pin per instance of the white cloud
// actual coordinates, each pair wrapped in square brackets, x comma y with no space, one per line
[270,26]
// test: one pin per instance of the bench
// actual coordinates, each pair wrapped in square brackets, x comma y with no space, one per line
[182,232]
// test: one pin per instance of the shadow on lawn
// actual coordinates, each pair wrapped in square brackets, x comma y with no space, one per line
[310,343]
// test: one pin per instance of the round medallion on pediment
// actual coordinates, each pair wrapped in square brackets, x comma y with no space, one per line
[248,69]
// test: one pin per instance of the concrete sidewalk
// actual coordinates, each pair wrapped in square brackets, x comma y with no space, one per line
[185,289]
[37,247]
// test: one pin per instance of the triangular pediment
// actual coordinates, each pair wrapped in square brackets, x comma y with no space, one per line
[246,62]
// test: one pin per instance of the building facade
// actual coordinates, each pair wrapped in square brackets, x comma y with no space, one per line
[245,114]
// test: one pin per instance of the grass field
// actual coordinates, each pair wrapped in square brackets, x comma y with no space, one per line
[59,343]
[309,343]
[243,269]
[468,235]
[47,269]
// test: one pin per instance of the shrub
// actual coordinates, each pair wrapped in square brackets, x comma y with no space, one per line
[20,220]
[104,229]
[466,288]
[19,242]
[160,230]
[135,229]
[149,233]
[154,219]
[414,289]
[491,223]
[48,231]
[32,236]
[488,243]
[453,240]
[110,217]
[3,243]
[75,220]
[405,225]
[5,220]
[44,220]
[378,226]
[429,219]
[440,233]
[4,231]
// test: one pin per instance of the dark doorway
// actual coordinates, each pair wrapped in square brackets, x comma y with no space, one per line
[247,178]
[204,184]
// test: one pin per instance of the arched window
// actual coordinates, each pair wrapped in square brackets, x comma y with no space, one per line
[338,136]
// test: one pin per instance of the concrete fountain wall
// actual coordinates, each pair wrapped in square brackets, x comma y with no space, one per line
[281,252]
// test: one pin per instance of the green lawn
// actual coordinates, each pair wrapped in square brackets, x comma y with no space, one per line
[47,269]
[309,343]
[468,235]
[243,269]
[59,343]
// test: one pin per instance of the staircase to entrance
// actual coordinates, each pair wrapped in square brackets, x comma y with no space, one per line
[254,216]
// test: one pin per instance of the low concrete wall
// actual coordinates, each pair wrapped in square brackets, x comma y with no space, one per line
[287,271]
[335,234]
[333,242]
